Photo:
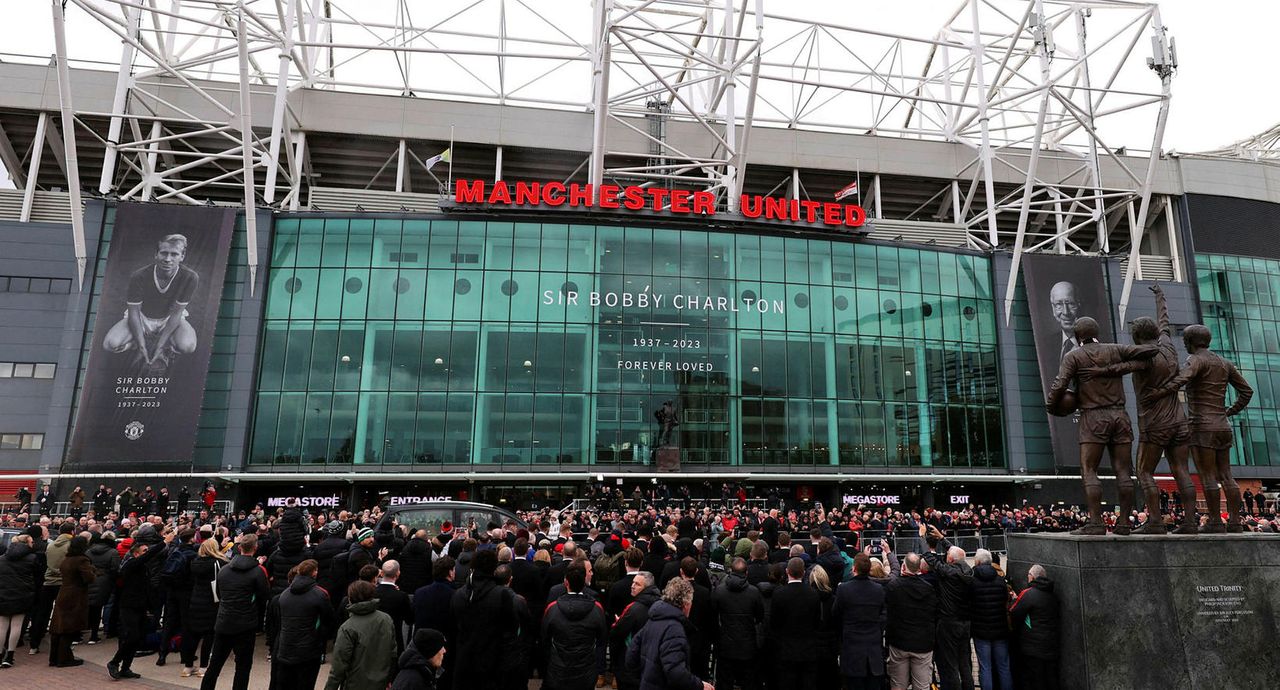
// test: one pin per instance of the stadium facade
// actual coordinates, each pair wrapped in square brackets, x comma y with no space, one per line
[394,332]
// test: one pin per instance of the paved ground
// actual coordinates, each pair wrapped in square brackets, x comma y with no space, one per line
[93,674]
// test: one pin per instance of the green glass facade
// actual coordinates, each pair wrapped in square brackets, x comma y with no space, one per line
[1240,302]
[482,342]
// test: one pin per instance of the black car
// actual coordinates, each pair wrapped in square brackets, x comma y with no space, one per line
[431,515]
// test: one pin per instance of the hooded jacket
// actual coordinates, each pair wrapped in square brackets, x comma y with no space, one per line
[53,559]
[485,617]
[242,584]
[17,579]
[302,622]
[831,562]
[660,653]
[1036,617]
[415,673]
[106,563]
[572,626]
[415,565]
[634,615]
[364,655]
[990,614]
[294,528]
[281,561]
[740,609]
[324,553]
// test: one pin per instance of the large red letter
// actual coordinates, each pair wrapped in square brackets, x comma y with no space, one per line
[854,215]
[553,193]
[705,203]
[471,192]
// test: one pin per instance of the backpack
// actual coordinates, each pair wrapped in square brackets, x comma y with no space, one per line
[605,572]
[338,570]
[174,570]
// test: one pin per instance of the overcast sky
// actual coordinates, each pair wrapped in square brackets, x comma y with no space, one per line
[1222,92]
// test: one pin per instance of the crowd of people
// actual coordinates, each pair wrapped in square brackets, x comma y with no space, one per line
[620,596]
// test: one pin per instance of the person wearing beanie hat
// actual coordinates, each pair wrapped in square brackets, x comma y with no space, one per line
[422,662]
[363,552]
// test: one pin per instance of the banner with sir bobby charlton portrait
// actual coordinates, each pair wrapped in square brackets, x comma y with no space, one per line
[143,389]
[1061,289]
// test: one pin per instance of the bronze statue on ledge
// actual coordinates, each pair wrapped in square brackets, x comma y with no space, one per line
[1162,424]
[1104,424]
[1206,377]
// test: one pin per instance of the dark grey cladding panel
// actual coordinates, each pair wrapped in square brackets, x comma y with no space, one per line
[1160,611]
[1227,225]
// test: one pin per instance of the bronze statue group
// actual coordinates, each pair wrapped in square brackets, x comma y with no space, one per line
[1090,381]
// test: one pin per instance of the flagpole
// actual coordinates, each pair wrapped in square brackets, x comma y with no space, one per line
[449,189]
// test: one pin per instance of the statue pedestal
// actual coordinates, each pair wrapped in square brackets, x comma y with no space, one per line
[667,459]
[1161,611]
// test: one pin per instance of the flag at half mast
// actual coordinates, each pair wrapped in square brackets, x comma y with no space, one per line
[849,190]
[443,156]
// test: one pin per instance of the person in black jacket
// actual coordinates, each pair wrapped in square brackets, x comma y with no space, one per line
[859,614]
[830,560]
[954,580]
[990,623]
[758,566]
[912,607]
[242,584]
[634,615]
[572,627]
[197,626]
[394,602]
[415,562]
[332,543]
[620,592]
[176,577]
[299,623]
[660,652]
[517,654]
[283,560]
[485,616]
[433,609]
[793,630]
[739,608]
[363,552]
[702,617]
[106,562]
[18,567]
[422,663]
[293,526]
[133,599]
[1036,617]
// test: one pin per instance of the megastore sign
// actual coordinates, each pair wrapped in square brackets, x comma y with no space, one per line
[332,501]
[471,194]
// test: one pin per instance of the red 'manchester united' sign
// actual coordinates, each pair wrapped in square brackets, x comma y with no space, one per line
[653,199]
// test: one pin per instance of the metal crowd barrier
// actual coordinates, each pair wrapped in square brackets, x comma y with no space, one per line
[63,508]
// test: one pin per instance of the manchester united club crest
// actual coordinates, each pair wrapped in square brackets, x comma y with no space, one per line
[133,430]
